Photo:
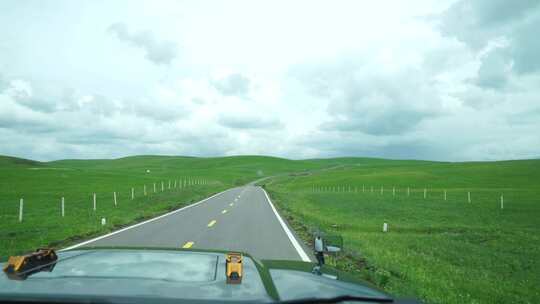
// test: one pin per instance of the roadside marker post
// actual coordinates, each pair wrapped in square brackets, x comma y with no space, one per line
[132,193]
[445,194]
[469,196]
[63,207]
[385,227]
[154,187]
[21,205]
[169,184]
[174,183]
[382,190]
[114,196]
[393,191]
[144,190]
[94,202]
[425,193]
[162,187]
[502,201]
[408,191]
[363,189]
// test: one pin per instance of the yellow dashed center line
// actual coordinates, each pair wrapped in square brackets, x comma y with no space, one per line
[212,223]
[224,211]
[188,245]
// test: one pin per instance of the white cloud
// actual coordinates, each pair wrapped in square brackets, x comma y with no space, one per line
[447,80]
[159,52]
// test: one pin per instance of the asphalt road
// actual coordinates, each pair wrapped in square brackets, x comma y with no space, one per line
[240,218]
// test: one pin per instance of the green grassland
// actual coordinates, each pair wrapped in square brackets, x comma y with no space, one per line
[43,184]
[442,251]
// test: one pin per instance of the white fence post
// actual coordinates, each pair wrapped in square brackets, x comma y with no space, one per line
[394,191]
[94,202]
[469,196]
[175,183]
[114,196]
[21,205]
[132,193]
[408,191]
[385,227]
[445,194]
[363,189]
[162,187]
[502,201]
[154,187]
[63,213]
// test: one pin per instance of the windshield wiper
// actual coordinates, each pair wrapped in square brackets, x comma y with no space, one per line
[338,299]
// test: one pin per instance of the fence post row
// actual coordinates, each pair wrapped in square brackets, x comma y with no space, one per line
[185,182]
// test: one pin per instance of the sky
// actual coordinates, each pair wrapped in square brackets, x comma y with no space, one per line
[437,80]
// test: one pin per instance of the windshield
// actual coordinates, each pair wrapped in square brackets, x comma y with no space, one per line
[390,147]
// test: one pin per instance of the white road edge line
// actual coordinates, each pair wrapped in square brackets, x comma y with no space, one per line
[293,240]
[142,223]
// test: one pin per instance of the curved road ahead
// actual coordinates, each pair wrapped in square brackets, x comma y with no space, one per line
[240,218]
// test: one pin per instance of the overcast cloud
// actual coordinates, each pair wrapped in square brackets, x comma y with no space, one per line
[440,80]
[159,52]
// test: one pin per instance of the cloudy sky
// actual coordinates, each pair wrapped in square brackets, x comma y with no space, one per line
[440,80]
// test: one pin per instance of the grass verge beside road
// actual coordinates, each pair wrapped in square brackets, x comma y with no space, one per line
[440,251]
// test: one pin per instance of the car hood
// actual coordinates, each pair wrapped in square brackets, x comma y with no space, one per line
[142,275]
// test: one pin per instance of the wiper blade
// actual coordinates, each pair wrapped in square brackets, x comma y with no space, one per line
[338,300]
